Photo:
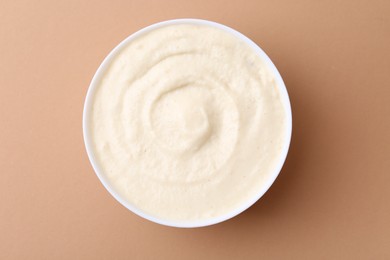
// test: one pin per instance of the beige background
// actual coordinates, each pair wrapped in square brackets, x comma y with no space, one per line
[331,200]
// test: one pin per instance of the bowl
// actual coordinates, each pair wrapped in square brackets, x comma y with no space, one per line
[87,131]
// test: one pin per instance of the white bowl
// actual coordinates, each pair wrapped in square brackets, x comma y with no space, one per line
[87,111]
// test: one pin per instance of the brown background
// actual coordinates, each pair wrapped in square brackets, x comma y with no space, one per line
[331,200]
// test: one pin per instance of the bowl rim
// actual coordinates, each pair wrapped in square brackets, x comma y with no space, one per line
[88,105]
